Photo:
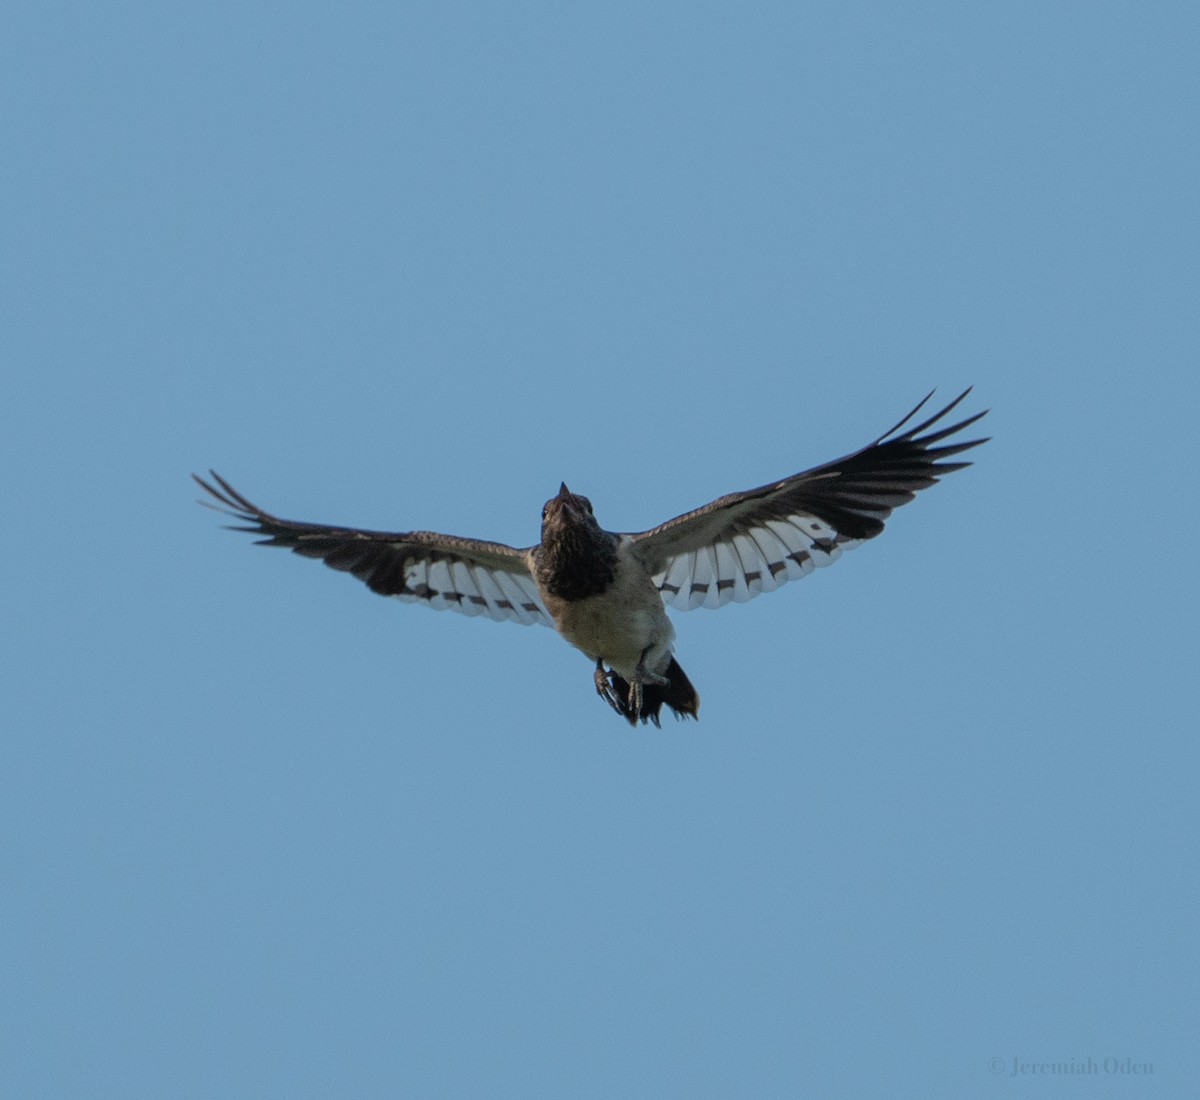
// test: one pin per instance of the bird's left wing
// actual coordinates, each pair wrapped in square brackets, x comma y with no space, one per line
[443,571]
[752,542]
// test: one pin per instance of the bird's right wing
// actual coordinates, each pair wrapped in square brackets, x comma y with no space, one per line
[443,571]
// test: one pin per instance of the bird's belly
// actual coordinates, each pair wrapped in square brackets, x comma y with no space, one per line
[619,630]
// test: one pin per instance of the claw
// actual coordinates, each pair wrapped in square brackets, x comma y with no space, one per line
[642,676]
[631,706]
[604,688]
[635,698]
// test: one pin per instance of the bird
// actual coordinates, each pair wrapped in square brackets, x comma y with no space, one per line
[607,593]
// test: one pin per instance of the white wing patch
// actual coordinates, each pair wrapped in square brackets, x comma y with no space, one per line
[758,559]
[452,584]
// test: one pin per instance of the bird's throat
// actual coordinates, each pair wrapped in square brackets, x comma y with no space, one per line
[574,563]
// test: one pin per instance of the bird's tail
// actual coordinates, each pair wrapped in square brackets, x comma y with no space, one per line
[677,693]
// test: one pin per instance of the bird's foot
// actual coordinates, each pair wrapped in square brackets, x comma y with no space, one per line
[605,690]
[641,676]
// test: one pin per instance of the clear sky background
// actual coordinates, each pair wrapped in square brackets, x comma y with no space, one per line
[263,834]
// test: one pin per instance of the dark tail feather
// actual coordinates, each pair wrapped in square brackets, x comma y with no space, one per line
[677,693]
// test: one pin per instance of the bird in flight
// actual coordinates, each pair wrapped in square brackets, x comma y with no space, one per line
[607,593]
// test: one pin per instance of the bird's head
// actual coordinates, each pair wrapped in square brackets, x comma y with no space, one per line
[567,511]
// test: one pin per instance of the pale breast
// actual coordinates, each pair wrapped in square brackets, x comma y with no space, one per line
[621,623]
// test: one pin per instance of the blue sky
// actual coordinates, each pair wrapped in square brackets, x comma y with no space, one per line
[264,834]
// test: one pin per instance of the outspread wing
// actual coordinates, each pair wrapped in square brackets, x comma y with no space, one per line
[443,571]
[752,542]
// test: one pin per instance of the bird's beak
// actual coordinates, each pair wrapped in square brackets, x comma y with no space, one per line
[563,492]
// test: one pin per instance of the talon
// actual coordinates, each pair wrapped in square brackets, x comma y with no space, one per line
[604,688]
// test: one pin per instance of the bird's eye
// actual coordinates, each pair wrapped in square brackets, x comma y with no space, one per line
[545,509]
